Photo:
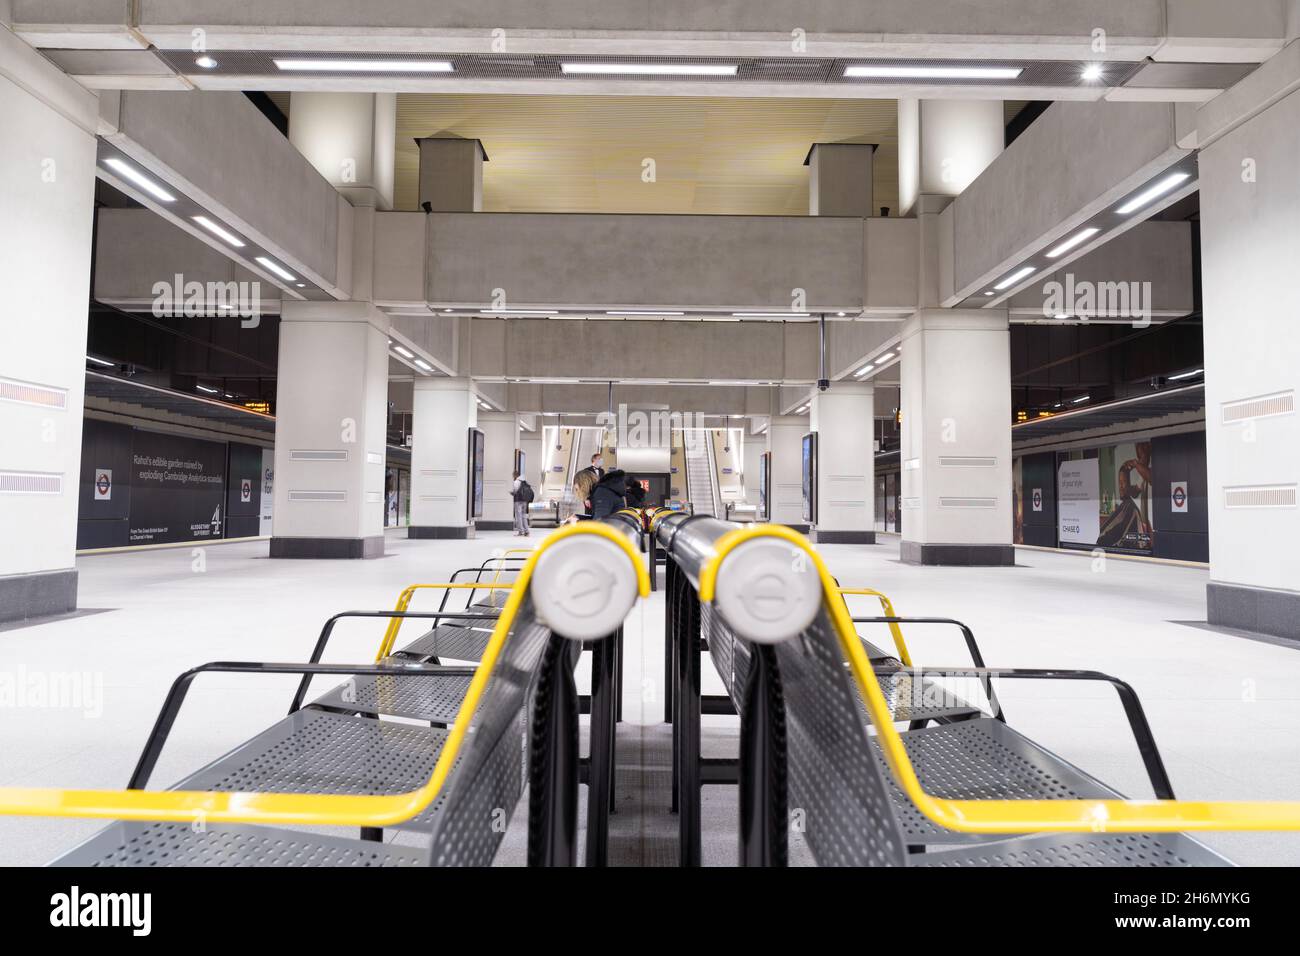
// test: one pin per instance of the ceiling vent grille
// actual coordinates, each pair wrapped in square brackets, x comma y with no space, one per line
[318,496]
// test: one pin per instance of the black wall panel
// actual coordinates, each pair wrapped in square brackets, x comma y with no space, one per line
[1180,536]
[105,450]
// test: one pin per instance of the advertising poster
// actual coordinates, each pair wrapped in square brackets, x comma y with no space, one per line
[178,488]
[1125,515]
[1018,502]
[476,457]
[810,478]
[268,476]
[1078,502]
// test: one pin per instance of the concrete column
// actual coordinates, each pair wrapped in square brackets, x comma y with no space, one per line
[943,145]
[785,442]
[351,140]
[956,431]
[840,179]
[445,410]
[843,418]
[532,445]
[1250,245]
[47,193]
[500,439]
[451,174]
[330,430]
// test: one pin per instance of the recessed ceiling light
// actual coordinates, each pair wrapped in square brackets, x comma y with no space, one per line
[1092,72]
[990,292]
[884,358]
[1166,185]
[1061,315]
[934,72]
[1015,277]
[650,69]
[637,312]
[209,389]
[445,311]
[422,364]
[1073,242]
[403,352]
[100,361]
[140,179]
[865,369]
[505,312]
[206,62]
[1182,375]
[771,315]
[364,66]
[841,314]
[1080,399]
[278,269]
[302,285]
[218,231]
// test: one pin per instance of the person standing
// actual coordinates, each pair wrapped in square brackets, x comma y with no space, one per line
[609,495]
[522,494]
[584,481]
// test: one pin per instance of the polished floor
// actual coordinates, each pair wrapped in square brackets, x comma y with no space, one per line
[1225,709]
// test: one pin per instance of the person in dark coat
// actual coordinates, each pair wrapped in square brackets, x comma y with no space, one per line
[635,494]
[609,494]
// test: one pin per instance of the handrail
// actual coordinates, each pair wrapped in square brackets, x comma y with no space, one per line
[888,608]
[404,602]
[1004,816]
[307,809]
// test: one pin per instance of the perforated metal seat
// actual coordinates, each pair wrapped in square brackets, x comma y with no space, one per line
[180,844]
[1072,849]
[433,697]
[450,642]
[981,759]
[312,751]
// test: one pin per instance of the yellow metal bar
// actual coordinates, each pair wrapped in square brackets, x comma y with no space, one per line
[888,607]
[1005,816]
[505,554]
[306,809]
[404,602]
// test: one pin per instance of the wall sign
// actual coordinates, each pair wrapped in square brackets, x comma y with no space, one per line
[1078,499]
[1178,497]
[246,490]
[103,484]
[1038,499]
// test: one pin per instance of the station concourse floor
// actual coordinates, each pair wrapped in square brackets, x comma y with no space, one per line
[1224,708]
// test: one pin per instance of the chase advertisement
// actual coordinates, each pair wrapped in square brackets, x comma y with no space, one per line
[1105,502]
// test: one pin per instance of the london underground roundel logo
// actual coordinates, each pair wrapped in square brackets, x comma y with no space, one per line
[103,483]
[1180,497]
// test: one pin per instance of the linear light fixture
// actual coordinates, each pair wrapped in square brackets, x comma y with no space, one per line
[863,71]
[771,315]
[206,62]
[403,352]
[219,231]
[649,69]
[1166,185]
[1073,242]
[1015,277]
[1092,73]
[1182,375]
[303,65]
[865,369]
[209,389]
[278,269]
[140,179]
[884,358]
[423,365]
[1081,399]
[637,312]
[101,362]
[521,312]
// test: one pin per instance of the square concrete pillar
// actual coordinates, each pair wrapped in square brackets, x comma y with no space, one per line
[445,409]
[1250,246]
[956,431]
[451,174]
[840,179]
[785,442]
[330,431]
[844,417]
[351,140]
[500,440]
[943,146]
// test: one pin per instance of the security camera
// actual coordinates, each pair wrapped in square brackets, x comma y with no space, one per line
[823,384]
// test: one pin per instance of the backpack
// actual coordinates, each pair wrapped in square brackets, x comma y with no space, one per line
[525,492]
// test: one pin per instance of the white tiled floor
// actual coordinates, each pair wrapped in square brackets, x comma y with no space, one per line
[1225,710]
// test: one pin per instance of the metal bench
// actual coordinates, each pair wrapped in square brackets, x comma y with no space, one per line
[517,725]
[806,748]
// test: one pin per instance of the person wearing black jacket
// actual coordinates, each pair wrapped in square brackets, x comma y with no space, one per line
[635,494]
[608,495]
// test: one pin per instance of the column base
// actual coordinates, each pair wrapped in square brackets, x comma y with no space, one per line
[441,531]
[1262,610]
[350,548]
[958,555]
[480,525]
[39,594]
[843,537]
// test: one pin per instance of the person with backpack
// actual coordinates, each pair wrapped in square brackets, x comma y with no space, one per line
[522,493]
[635,494]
